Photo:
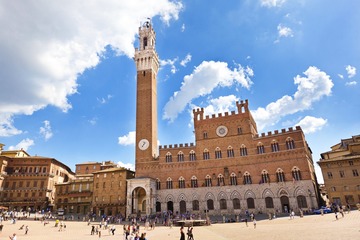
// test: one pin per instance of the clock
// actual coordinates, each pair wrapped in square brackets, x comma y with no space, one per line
[143,144]
[221,131]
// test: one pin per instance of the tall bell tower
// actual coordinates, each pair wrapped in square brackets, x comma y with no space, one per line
[147,65]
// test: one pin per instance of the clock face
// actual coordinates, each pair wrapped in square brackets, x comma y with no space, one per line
[221,131]
[143,144]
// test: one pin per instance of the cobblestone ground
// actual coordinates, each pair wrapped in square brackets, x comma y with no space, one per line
[308,227]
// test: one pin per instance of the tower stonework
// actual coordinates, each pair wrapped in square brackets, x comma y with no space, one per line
[147,65]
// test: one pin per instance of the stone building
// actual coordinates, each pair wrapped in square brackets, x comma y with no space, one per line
[109,191]
[340,168]
[229,168]
[29,181]
[77,195]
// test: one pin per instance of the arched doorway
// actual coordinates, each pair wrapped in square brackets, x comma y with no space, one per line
[285,206]
[158,206]
[182,206]
[139,200]
[170,206]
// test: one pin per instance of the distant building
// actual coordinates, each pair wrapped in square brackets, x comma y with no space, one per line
[28,182]
[109,194]
[229,169]
[81,195]
[340,168]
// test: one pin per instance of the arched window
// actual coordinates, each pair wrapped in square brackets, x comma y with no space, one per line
[169,183]
[44,169]
[192,155]
[269,202]
[296,174]
[243,150]
[168,157]
[230,152]
[208,181]
[206,154]
[233,179]
[275,146]
[194,182]
[236,203]
[180,156]
[301,200]
[265,177]
[210,204]
[260,148]
[250,203]
[221,181]
[158,184]
[205,135]
[290,144]
[145,42]
[280,176]
[217,153]
[223,204]
[247,178]
[195,204]
[181,182]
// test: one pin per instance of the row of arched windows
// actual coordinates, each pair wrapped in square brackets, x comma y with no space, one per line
[233,179]
[223,204]
[230,153]
[31,170]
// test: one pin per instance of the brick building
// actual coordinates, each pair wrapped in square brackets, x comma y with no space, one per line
[29,181]
[340,168]
[98,187]
[229,168]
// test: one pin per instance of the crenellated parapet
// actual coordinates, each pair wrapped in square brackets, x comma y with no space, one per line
[242,108]
[277,133]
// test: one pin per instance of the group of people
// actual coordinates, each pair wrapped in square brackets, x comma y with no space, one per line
[189,233]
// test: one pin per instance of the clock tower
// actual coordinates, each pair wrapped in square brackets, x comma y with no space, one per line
[147,65]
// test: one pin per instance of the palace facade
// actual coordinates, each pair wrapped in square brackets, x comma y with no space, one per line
[229,169]
[28,182]
[340,168]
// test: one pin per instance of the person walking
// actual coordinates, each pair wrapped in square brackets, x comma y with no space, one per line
[182,234]
[26,229]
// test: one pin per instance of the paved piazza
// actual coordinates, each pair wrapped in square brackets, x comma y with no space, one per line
[309,227]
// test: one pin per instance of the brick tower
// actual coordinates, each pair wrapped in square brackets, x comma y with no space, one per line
[140,190]
[147,65]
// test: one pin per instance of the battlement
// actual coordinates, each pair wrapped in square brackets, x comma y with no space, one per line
[181,145]
[242,107]
[276,132]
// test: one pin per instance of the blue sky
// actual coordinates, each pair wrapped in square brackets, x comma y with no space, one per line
[68,80]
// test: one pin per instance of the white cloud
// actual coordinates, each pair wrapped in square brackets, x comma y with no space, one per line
[351,71]
[128,139]
[55,42]
[186,60]
[93,121]
[352,83]
[311,88]
[104,100]
[46,130]
[311,124]
[221,105]
[204,79]
[183,27]
[24,144]
[272,3]
[170,62]
[7,127]
[130,166]
[341,76]
[284,31]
